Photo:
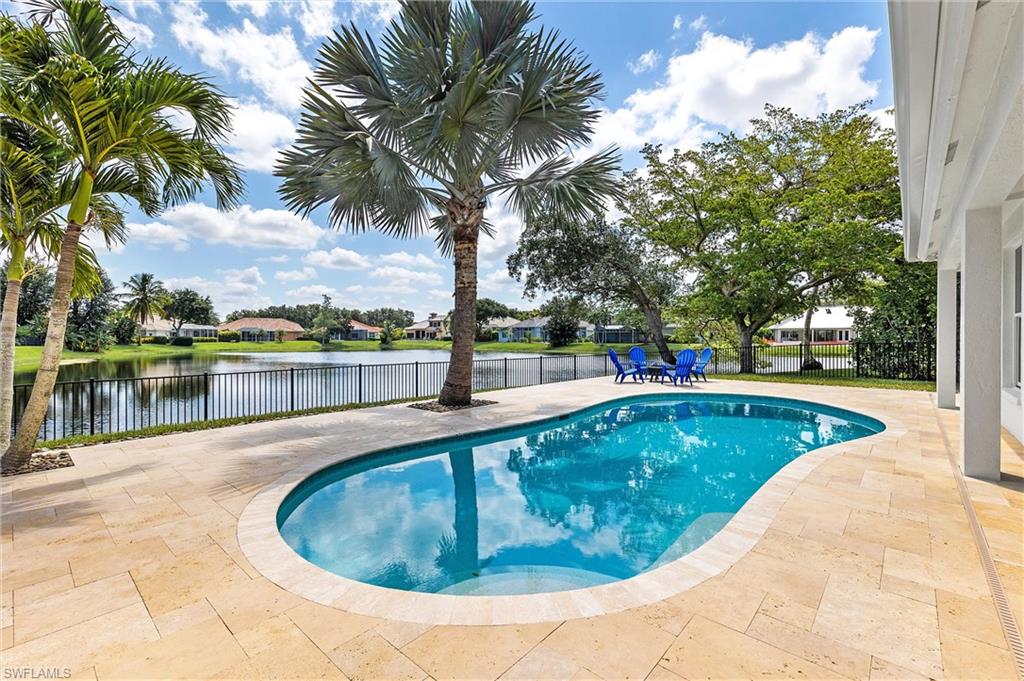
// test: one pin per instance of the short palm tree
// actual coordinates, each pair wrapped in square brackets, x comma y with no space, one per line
[32,194]
[144,299]
[72,77]
[458,105]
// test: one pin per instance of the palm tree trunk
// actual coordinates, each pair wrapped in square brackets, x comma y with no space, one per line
[24,441]
[8,333]
[458,384]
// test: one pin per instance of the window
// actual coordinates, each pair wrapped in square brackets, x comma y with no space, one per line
[1016,315]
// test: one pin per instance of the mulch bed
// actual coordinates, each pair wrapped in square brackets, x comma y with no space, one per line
[45,461]
[435,406]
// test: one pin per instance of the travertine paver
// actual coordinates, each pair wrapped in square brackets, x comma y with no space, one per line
[128,565]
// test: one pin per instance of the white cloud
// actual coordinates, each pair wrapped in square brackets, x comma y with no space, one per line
[258,8]
[312,292]
[375,11]
[136,31]
[385,290]
[337,259]
[236,289]
[242,227]
[273,258]
[317,17]
[270,61]
[305,274]
[258,135]
[132,7]
[409,260]
[645,62]
[677,23]
[157,234]
[507,228]
[886,118]
[405,275]
[699,24]
[724,82]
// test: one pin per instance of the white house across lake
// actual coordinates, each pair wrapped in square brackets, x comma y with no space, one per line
[831,324]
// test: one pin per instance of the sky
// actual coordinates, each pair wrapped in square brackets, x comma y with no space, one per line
[676,73]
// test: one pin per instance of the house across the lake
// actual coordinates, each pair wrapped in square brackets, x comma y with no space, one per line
[500,326]
[358,331]
[832,324]
[159,327]
[431,328]
[535,329]
[264,328]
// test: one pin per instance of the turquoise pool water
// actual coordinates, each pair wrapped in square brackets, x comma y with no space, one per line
[593,497]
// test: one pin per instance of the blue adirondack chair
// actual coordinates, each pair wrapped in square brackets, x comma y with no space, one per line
[638,360]
[702,362]
[683,368]
[620,371]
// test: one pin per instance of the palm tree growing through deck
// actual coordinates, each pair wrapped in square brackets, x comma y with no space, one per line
[455,107]
[72,77]
[145,299]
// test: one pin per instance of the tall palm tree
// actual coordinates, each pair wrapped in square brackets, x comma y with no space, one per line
[73,78]
[32,194]
[145,299]
[457,105]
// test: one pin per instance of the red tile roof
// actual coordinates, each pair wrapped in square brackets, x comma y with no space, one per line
[261,323]
[356,324]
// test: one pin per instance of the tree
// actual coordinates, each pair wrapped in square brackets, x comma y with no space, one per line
[302,314]
[145,299]
[488,309]
[389,333]
[608,264]
[383,315]
[563,321]
[89,316]
[325,320]
[123,328]
[36,289]
[72,77]
[458,106]
[185,306]
[901,307]
[761,221]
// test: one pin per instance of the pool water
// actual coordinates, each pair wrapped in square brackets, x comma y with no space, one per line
[601,495]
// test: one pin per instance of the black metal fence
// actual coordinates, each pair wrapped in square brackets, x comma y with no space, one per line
[121,404]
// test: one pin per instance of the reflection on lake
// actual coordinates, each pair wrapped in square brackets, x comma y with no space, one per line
[118,396]
[600,497]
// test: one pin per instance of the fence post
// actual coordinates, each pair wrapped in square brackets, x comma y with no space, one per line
[506,372]
[92,406]
[360,383]
[206,395]
[540,364]
[416,381]
[714,353]
[575,374]
[605,364]
[291,384]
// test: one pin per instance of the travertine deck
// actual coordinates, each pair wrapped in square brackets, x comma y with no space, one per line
[128,565]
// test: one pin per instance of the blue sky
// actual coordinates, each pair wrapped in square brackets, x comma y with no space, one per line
[675,73]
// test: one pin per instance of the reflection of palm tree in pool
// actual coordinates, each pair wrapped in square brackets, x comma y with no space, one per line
[459,556]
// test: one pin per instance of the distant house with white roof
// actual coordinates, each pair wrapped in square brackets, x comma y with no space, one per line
[832,324]
[158,326]
[358,331]
[500,326]
[431,328]
[535,329]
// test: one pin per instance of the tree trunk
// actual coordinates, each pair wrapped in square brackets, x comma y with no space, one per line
[467,522]
[465,218]
[8,333]
[657,328]
[807,360]
[746,349]
[24,441]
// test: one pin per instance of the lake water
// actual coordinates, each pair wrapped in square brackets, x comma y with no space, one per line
[227,362]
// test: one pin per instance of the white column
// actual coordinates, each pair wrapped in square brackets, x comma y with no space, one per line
[945,340]
[980,283]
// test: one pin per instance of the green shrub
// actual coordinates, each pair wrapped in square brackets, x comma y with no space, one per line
[182,341]
[229,336]
[146,340]
[204,339]
[160,340]
[123,328]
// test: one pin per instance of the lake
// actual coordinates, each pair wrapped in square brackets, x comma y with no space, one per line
[115,396]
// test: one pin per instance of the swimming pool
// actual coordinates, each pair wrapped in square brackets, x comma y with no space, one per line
[589,498]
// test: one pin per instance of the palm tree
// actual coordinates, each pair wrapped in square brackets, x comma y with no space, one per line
[456,107]
[31,196]
[145,299]
[72,77]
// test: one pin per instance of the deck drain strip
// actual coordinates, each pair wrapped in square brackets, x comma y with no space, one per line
[1006,618]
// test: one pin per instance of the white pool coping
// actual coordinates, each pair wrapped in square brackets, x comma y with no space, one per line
[265,548]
